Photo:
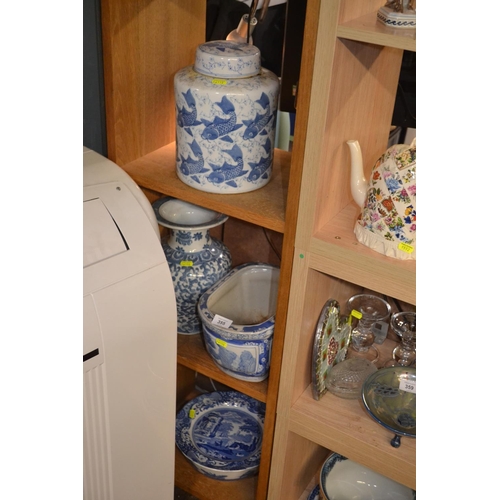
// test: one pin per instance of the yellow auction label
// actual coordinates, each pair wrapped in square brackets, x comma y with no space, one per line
[405,247]
[219,81]
[186,263]
[221,342]
[192,413]
[356,314]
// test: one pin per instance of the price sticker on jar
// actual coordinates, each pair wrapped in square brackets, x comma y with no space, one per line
[354,314]
[219,81]
[407,385]
[221,321]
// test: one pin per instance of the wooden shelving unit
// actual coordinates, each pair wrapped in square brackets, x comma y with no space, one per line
[356,70]
[349,73]
[144,45]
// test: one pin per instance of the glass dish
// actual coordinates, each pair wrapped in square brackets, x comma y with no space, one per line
[390,397]
[346,378]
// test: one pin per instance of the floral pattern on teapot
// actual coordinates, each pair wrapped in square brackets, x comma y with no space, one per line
[389,208]
[388,219]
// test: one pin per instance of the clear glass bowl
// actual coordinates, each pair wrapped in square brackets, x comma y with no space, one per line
[346,379]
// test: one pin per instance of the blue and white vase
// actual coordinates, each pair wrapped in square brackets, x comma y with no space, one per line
[226,109]
[196,259]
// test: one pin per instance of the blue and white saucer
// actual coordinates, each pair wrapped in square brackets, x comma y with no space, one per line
[220,433]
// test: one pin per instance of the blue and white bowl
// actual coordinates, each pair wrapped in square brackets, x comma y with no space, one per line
[237,316]
[343,479]
[220,434]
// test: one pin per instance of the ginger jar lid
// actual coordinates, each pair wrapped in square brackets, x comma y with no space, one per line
[227,59]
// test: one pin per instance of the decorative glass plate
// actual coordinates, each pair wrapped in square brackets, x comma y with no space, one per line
[331,341]
[221,430]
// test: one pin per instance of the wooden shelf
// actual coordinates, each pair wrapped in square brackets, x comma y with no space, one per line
[367,29]
[343,425]
[336,251]
[192,354]
[357,63]
[195,483]
[264,207]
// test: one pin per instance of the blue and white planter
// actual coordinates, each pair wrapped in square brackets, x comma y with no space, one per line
[237,315]
[196,259]
[226,109]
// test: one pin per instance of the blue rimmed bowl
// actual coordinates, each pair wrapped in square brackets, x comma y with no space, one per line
[220,434]
[237,315]
[343,479]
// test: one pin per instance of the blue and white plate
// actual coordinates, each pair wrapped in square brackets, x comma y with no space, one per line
[220,433]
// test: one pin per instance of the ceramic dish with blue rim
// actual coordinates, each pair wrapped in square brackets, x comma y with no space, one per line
[343,479]
[220,434]
[314,495]
[172,213]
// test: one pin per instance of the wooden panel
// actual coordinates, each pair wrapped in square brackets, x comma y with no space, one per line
[145,42]
[351,10]
[361,103]
[185,385]
[264,207]
[302,462]
[292,205]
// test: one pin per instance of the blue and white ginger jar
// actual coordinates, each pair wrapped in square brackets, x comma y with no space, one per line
[226,109]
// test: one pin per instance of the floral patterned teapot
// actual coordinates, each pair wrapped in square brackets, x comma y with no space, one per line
[387,222]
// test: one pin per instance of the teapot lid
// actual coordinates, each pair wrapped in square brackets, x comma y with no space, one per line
[227,59]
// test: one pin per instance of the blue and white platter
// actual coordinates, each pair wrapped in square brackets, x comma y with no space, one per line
[220,434]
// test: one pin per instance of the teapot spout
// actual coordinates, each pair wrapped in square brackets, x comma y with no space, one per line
[359,186]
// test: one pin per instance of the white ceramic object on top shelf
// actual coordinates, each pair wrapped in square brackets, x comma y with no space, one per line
[226,106]
[398,14]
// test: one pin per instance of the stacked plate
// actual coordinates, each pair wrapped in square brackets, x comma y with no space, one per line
[220,434]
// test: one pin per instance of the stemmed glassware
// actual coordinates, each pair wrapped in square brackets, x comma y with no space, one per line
[367,310]
[404,325]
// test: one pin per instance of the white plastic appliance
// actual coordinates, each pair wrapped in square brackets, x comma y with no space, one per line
[129,341]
